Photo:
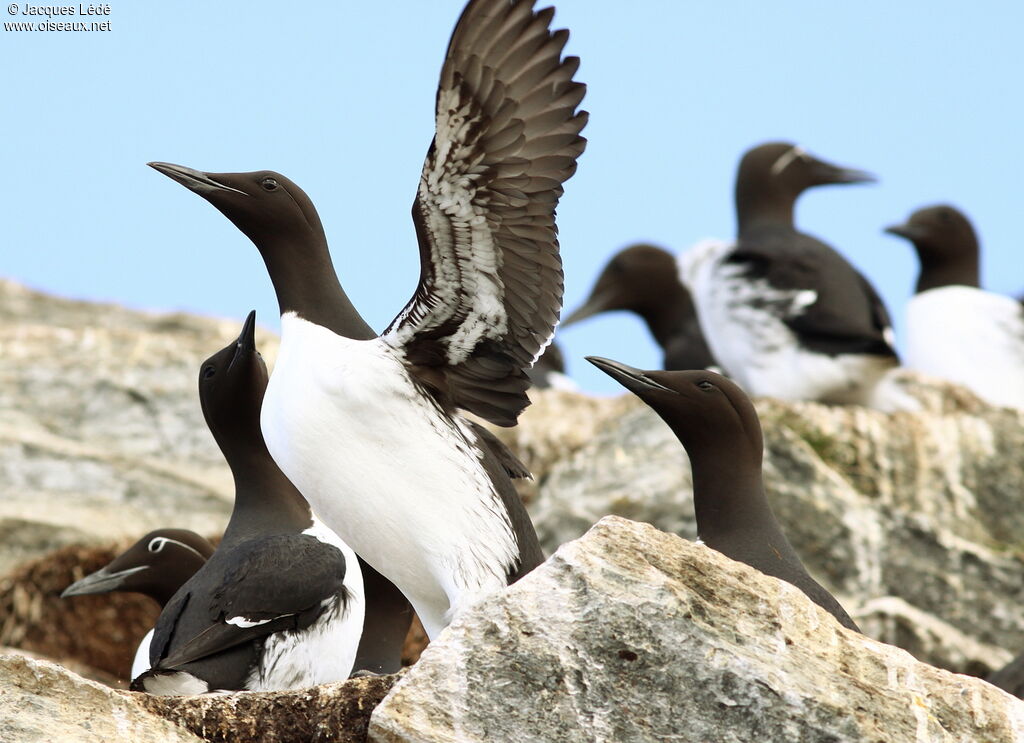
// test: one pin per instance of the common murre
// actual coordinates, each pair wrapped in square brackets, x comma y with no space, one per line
[718,426]
[365,425]
[156,566]
[279,605]
[785,314]
[955,329]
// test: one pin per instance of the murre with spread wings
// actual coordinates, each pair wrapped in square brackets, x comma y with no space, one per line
[366,426]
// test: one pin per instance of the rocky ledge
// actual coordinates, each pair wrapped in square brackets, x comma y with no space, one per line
[913,520]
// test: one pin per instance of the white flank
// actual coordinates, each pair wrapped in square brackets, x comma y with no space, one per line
[175,683]
[971,337]
[325,651]
[396,478]
[743,322]
[140,664]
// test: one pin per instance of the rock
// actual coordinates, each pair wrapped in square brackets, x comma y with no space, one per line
[100,420]
[40,702]
[633,634]
[329,713]
[921,508]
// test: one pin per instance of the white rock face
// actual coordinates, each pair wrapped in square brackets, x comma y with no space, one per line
[41,702]
[631,634]
[913,520]
[101,433]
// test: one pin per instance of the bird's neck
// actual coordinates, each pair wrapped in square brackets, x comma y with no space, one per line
[959,270]
[265,499]
[175,576]
[727,497]
[666,317]
[758,208]
[305,283]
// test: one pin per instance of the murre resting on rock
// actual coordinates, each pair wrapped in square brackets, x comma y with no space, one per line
[784,313]
[156,566]
[718,426]
[955,329]
[366,425]
[644,279]
[279,605]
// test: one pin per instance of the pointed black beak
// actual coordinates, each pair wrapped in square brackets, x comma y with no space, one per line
[596,303]
[827,173]
[102,581]
[246,343]
[247,338]
[193,180]
[634,380]
[904,230]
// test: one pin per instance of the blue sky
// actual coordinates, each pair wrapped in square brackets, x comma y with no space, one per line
[339,97]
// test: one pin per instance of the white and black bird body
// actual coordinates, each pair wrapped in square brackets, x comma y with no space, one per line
[785,314]
[718,426]
[279,605]
[955,329]
[156,566]
[644,279]
[366,425]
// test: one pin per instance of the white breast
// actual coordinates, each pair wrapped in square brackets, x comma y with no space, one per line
[394,476]
[971,337]
[141,662]
[743,322]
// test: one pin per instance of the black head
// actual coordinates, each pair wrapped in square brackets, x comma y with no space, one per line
[938,233]
[156,565]
[635,279]
[771,176]
[266,206]
[705,410]
[232,383]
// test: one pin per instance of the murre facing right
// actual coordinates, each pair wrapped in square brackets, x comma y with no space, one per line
[785,314]
[955,329]
[719,428]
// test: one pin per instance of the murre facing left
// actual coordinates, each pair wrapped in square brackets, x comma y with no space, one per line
[155,566]
[366,426]
[955,329]
[644,279]
[784,313]
[279,605]
[718,426]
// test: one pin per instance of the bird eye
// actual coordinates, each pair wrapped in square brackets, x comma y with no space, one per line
[269,184]
[705,385]
[208,371]
[157,544]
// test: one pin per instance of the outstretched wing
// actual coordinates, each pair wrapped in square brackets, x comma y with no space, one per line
[507,137]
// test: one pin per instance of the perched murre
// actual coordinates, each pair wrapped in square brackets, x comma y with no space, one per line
[784,313]
[955,329]
[366,425]
[718,426]
[644,279]
[156,566]
[279,605]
